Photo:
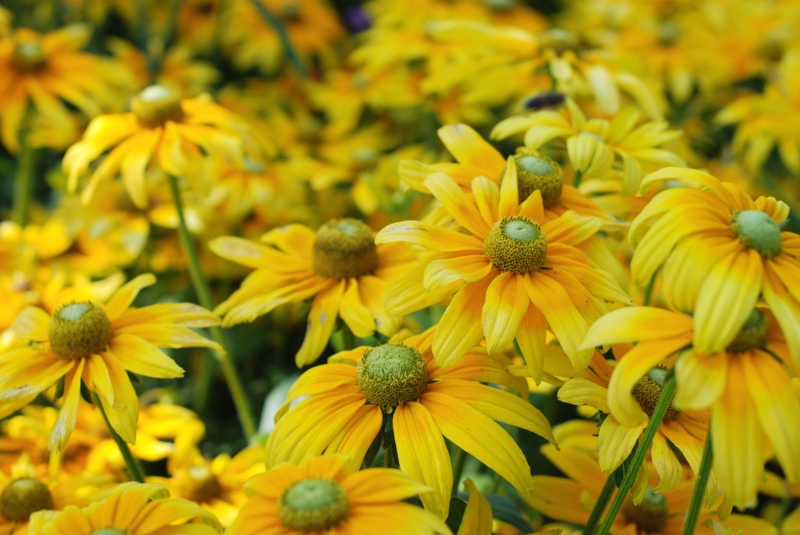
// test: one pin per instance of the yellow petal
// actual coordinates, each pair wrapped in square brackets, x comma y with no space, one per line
[143,358]
[459,328]
[407,294]
[670,471]
[184,314]
[430,237]
[357,435]
[466,268]
[638,324]
[381,485]
[532,339]
[487,197]
[477,519]
[580,391]
[134,163]
[701,379]
[571,228]
[248,253]
[68,415]
[357,317]
[123,297]
[97,379]
[506,304]
[691,178]
[468,147]
[615,443]
[457,204]
[124,414]
[32,323]
[298,240]
[321,320]
[509,191]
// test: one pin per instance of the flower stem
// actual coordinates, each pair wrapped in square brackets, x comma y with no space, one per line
[276,24]
[204,296]
[577,177]
[600,505]
[648,293]
[458,468]
[134,469]
[699,488]
[641,454]
[26,162]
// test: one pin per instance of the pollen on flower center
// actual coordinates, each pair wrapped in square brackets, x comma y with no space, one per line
[758,231]
[24,496]
[199,484]
[78,330]
[344,248]
[516,244]
[539,173]
[392,374]
[651,514]
[648,390]
[28,55]
[156,105]
[753,334]
[313,505]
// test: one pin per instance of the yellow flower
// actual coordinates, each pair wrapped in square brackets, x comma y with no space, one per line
[97,344]
[42,70]
[132,509]
[596,145]
[173,134]
[746,385]
[744,256]
[339,265]
[323,495]
[349,398]
[514,274]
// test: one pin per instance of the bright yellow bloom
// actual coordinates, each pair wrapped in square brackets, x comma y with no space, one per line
[173,134]
[513,272]
[745,256]
[325,496]
[97,344]
[340,266]
[42,70]
[746,385]
[349,398]
[133,509]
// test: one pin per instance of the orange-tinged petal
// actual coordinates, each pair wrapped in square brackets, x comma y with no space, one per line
[68,415]
[457,203]
[638,324]
[445,271]
[478,518]
[423,455]
[430,237]
[357,435]
[505,306]
[576,465]
[571,228]
[784,308]
[459,328]
[791,243]
[509,191]
[533,207]
[670,471]
[468,147]
[556,497]
[321,320]
[532,339]
[701,379]
[357,317]
[487,197]
[615,443]
[390,519]
[143,358]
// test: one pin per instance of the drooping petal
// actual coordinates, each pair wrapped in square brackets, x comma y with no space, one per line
[97,378]
[478,518]
[580,391]
[124,414]
[532,339]
[615,443]
[460,328]
[700,379]
[321,320]
[670,471]
[357,317]
[68,415]
[134,163]
[505,306]
[357,434]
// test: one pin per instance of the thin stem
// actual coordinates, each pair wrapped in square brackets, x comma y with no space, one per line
[288,49]
[641,454]
[26,162]
[576,179]
[699,488]
[648,293]
[204,296]
[600,505]
[458,468]
[134,469]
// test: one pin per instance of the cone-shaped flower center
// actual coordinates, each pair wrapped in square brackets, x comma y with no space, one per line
[753,334]
[538,172]
[344,248]
[24,496]
[110,531]
[313,505]
[28,55]
[516,244]
[649,516]
[392,374]
[758,231]
[648,390]
[78,330]
[199,484]
[156,105]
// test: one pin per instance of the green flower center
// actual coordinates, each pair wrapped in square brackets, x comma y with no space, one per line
[392,374]
[313,505]
[24,496]
[199,484]
[344,248]
[648,390]
[110,531]
[758,231]
[753,334]
[156,105]
[516,244]
[28,55]
[539,173]
[78,330]
[651,514]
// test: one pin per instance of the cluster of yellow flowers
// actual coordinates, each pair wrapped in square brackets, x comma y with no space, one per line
[457,218]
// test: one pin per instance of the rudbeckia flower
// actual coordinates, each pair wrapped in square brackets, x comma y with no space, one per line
[746,384]
[132,509]
[324,495]
[745,256]
[514,274]
[164,130]
[97,344]
[349,397]
[340,266]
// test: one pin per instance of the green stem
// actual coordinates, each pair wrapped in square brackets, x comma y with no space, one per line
[648,293]
[458,468]
[699,488]
[348,338]
[288,49]
[600,505]
[134,469]
[204,296]
[576,179]
[26,163]
[641,454]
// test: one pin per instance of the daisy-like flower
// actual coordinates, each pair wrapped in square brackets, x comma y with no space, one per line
[131,509]
[97,344]
[349,397]
[513,274]
[324,495]
[596,145]
[43,70]
[745,256]
[340,266]
[746,384]
[173,134]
